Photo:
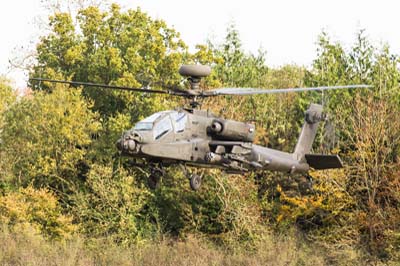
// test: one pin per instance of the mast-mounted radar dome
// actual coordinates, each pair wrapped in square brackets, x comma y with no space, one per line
[195,71]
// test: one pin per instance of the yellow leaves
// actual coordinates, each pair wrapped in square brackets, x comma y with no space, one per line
[62,24]
[46,165]
[128,79]
[89,19]
[50,73]
[73,55]
[206,56]
[119,122]
[37,209]
[49,134]
[114,59]
[296,206]
[328,202]
[7,96]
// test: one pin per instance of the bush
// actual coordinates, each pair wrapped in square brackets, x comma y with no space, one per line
[45,139]
[37,210]
[112,204]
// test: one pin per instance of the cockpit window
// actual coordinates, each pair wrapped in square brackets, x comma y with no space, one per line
[147,123]
[180,121]
[162,127]
[143,126]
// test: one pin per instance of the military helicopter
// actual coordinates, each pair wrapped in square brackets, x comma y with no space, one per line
[189,136]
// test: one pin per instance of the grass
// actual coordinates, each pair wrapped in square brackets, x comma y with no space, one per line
[29,249]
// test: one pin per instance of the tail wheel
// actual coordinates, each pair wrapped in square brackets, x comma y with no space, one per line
[195,181]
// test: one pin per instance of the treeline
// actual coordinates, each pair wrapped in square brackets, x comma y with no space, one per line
[61,177]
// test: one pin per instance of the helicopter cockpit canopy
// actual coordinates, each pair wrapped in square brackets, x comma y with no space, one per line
[162,123]
[147,123]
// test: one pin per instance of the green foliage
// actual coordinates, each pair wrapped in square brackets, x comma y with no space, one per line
[36,210]
[7,96]
[121,48]
[361,64]
[359,208]
[331,65]
[225,208]
[385,73]
[238,68]
[46,137]
[103,147]
[112,204]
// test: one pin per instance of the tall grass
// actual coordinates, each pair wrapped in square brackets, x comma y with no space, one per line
[26,248]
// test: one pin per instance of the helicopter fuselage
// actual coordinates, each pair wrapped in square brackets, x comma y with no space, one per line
[199,138]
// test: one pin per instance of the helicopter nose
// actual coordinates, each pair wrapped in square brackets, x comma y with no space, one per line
[130,145]
[126,145]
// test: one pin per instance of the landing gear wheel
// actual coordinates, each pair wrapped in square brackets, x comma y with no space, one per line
[153,181]
[155,177]
[195,181]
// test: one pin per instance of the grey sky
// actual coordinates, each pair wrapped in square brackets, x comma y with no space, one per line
[286,29]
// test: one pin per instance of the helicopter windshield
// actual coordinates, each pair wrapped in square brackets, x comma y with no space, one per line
[147,123]
[180,121]
[162,127]
[143,126]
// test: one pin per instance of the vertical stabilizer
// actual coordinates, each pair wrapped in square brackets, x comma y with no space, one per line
[312,118]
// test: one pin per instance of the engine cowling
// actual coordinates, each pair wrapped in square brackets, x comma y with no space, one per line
[232,130]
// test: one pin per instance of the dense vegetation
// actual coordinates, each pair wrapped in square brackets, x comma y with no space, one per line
[64,190]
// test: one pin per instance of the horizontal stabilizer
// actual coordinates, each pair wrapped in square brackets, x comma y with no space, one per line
[319,161]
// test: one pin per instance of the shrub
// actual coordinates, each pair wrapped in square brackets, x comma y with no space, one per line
[37,210]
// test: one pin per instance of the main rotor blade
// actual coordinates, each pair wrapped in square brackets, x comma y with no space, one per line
[251,91]
[173,91]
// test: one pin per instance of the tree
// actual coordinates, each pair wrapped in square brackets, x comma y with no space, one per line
[46,138]
[7,98]
[121,48]
[238,68]
[361,64]
[363,203]
[7,95]
[374,132]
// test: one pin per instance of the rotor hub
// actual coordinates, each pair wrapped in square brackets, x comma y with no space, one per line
[194,74]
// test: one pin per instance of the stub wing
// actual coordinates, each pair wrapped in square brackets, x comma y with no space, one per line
[319,161]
